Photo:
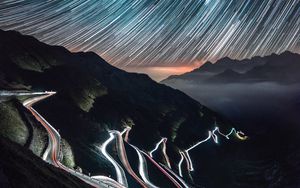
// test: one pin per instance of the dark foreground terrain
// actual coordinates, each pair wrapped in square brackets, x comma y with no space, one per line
[19,167]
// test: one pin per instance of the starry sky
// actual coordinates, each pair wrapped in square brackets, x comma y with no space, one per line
[159,37]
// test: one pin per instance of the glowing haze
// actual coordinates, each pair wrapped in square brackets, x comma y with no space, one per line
[133,34]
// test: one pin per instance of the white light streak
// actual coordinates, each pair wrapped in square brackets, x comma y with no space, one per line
[211,134]
[121,177]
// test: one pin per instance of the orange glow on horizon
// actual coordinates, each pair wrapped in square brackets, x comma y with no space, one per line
[159,73]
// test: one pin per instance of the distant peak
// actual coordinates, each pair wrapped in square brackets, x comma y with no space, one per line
[287,53]
[208,63]
[204,66]
[225,60]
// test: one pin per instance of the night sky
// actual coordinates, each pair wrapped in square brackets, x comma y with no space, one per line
[160,37]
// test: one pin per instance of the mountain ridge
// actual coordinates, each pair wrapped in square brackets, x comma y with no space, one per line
[251,70]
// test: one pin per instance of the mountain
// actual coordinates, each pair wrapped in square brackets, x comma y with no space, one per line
[92,98]
[209,69]
[281,68]
[227,76]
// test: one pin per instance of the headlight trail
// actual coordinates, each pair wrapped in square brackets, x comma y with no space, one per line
[121,177]
[162,170]
[164,150]
[188,160]
[143,168]
[123,157]
[200,142]
[108,181]
[240,135]
[25,93]
[163,141]
[175,175]
[180,163]
[156,147]
[211,134]
[126,131]
[53,152]
[143,171]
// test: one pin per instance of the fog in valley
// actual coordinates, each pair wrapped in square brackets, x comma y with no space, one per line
[249,104]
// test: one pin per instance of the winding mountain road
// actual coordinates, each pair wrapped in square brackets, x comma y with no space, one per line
[52,154]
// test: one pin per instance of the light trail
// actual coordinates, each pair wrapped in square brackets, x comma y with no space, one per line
[175,175]
[156,147]
[126,131]
[143,171]
[188,160]
[180,163]
[164,150]
[163,141]
[108,181]
[239,134]
[46,153]
[162,170]
[36,99]
[105,181]
[52,152]
[121,176]
[24,93]
[211,135]
[123,157]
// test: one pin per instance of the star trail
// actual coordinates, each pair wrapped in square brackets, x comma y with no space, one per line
[160,33]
